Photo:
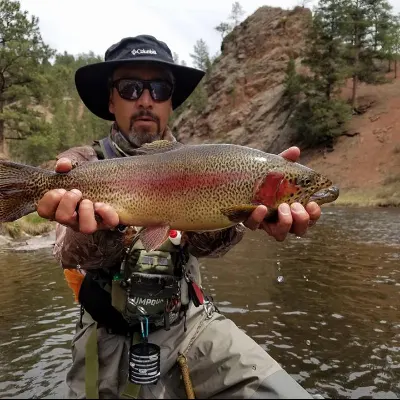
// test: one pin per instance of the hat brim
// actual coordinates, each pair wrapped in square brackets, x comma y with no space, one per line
[92,83]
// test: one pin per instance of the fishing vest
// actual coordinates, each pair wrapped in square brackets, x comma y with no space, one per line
[155,284]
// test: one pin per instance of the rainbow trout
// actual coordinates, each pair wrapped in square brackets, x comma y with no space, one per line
[173,186]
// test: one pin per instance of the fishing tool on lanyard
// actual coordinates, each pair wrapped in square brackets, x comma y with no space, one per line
[144,357]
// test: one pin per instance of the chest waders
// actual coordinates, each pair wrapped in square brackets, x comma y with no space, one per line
[149,289]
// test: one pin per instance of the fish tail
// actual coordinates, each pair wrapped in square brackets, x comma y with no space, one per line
[21,187]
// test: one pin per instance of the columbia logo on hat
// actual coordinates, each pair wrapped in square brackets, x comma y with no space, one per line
[143,51]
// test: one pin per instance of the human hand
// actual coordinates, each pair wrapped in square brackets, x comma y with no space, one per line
[69,209]
[291,219]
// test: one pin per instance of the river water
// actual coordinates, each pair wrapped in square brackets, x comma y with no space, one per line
[325,306]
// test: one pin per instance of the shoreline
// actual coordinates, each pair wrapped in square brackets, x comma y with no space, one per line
[384,197]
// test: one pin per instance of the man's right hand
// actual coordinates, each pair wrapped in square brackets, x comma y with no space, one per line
[69,209]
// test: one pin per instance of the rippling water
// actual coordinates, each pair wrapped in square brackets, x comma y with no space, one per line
[325,306]
[37,320]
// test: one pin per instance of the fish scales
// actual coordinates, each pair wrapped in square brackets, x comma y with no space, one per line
[185,187]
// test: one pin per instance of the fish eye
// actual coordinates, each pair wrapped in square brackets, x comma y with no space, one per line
[304,181]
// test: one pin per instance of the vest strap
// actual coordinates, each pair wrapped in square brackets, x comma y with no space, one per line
[92,366]
[107,148]
[131,390]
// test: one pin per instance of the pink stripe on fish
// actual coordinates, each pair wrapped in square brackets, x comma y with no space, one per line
[180,181]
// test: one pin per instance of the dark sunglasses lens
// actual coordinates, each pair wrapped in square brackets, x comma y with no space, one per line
[160,91]
[129,89]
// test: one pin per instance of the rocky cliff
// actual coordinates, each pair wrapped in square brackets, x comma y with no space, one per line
[244,106]
[245,86]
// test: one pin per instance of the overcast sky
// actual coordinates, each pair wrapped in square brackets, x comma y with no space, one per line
[78,26]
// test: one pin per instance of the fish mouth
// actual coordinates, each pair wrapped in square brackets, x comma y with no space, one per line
[327,195]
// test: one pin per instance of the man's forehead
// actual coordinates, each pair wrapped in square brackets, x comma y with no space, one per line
[144,71]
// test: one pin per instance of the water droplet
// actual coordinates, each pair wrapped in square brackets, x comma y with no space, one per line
[280,279]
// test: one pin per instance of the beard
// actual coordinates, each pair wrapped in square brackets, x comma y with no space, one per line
[143,135]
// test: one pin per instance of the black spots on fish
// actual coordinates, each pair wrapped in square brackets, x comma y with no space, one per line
[19,189]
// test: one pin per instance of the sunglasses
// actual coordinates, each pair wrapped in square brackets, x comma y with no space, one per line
[132,89]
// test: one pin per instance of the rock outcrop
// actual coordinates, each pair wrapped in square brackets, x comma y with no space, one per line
[245,86]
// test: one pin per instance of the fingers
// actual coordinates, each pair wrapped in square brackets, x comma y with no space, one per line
[63,165]
[47,205]
[314,211]
[69,209]
[88,221]
[293,219]
[108,215]
[280,229]
[66,210]
[256,218]
[291,154]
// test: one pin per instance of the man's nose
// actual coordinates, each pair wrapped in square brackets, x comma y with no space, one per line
[145,99]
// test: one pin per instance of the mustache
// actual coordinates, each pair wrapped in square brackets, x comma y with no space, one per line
[144,113]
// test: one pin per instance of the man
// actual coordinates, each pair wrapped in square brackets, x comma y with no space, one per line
[137,86]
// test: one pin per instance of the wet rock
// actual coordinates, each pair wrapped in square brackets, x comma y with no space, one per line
[35,243]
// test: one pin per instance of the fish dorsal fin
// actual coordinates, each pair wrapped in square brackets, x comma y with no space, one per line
[158,146]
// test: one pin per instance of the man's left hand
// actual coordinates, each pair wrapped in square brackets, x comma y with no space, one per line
[291,219]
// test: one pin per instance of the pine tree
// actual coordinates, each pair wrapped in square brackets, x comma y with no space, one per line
[389,47]
[359,39]
[292,84]
[394,41]
[380,17]
[237,13]
[321,116]
[325,49]
[23,56]
[223,28]
[201,55]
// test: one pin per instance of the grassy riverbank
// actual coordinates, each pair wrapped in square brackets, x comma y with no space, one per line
[387,195]
[32,225]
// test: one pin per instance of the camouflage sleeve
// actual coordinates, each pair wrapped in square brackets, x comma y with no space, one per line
[102,249]
[72,249]
[216,243]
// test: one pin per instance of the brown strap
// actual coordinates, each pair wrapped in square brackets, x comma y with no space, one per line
[182,362]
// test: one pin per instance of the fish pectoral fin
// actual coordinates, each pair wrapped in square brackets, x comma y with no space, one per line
[152,237]
[158,146]
[238,213]
[272,216]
